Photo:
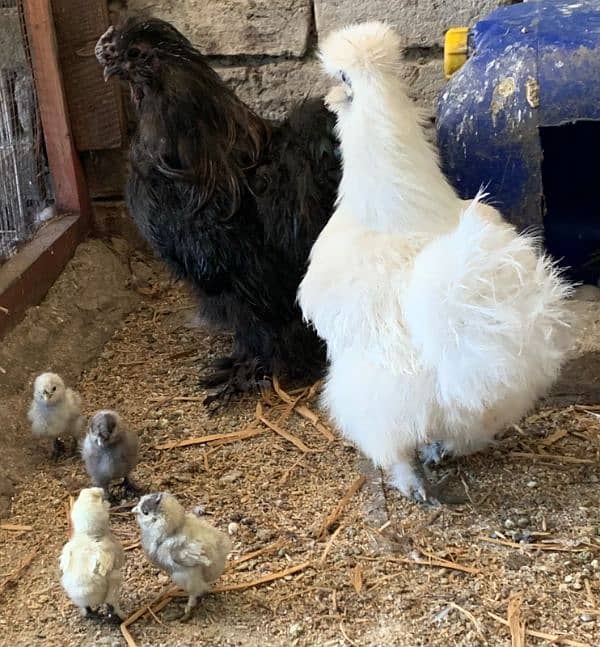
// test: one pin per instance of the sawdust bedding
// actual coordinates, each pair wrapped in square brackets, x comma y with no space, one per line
[322,554]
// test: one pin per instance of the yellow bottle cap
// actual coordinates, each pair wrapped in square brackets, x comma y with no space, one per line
[455,49]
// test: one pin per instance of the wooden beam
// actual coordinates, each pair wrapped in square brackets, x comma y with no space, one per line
[95,107]
[26,277]
[65,166]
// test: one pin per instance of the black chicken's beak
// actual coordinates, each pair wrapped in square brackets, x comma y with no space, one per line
[109,70]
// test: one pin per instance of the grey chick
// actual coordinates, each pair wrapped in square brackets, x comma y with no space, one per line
[55,411]
[192,552]
[110,451]
[91,560]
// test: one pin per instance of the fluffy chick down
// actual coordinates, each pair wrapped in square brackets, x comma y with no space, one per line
[91,560]
[190,551]
[55,410]
[110,449]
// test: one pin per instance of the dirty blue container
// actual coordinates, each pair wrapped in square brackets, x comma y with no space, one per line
[521,117]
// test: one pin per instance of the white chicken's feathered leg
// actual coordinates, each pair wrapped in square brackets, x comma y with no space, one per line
[406,476]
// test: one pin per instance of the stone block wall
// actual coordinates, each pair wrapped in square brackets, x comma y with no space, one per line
[266,48]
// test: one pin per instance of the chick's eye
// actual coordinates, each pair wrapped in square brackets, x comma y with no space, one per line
[133,52]
[344,78]
[53,389]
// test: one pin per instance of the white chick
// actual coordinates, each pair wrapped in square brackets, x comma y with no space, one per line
[447,325]
[91,560]
[110,451]
[192,552]
[55,411]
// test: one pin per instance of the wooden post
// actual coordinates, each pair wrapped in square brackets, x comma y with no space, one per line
[65,166]
[25,278]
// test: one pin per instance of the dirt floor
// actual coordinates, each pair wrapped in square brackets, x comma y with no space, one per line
[350,563]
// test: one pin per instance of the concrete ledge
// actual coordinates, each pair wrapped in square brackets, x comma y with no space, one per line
[28,275]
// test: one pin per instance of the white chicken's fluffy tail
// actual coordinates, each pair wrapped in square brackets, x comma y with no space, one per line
[363,50]
[488,313]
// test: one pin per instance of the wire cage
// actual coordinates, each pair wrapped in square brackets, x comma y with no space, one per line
[25,185]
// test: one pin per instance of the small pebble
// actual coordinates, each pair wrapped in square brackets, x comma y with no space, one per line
[586,617]
[232,528]
[531,484]
[230,477]
[577,585]
[247,566]
[263,535]
[295,630]
[163,422]
[568,579]
[509,523]
[523,522]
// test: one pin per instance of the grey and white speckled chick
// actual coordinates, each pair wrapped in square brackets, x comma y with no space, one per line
[110,450]
[91,560]
[55,411]
[192,552]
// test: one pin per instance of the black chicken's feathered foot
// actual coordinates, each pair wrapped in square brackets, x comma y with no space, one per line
[233,377]
[58,449]
[92,614]
[112,616]
[220,375]
[130,489]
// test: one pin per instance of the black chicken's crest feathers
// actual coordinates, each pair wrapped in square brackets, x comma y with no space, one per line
[156,33]
[193,128]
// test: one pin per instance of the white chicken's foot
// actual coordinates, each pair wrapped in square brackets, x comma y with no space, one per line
[440,450]
[405,478]
[434,453]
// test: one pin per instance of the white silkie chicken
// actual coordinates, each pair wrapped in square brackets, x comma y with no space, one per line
[443,325]
[91,560]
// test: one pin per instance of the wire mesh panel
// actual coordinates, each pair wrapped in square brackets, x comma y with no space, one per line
[25,186]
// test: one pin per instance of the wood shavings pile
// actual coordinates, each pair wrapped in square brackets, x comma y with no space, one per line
[324,553]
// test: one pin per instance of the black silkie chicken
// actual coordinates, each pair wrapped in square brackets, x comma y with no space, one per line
[231,202]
